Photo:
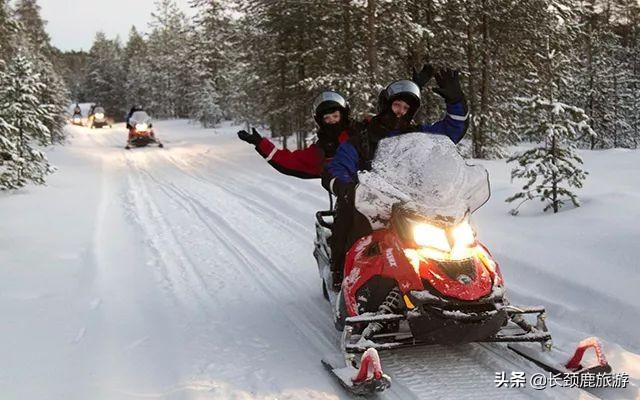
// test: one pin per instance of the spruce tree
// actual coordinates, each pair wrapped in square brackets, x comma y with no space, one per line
[23,122]
[105,80]
[552,168]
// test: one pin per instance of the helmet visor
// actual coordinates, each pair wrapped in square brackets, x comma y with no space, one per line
[328,97]
[403,87]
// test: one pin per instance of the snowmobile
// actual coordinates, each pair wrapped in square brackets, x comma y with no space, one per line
[422,276]
[97,118]
[76,119]
[141,131]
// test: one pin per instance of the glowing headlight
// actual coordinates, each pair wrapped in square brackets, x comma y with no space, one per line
[455,243]
[426,235]
[141,127]
[463,235]
[99,115]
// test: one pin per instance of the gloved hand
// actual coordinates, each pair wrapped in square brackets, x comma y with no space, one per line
[343,189]
[424,76]
[449,85]
[254,137]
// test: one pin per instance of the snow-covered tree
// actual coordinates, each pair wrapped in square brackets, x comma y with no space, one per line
[27,13]
[105,80]
[137,70]
[169,46]
[552,169]
[8,28]
[204,107]
[22,124]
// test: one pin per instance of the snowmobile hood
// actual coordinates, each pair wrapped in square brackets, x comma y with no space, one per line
[426,174]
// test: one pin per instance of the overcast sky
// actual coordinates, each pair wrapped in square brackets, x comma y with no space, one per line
[72,24]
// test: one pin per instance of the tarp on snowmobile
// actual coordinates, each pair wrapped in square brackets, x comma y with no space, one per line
[426,174]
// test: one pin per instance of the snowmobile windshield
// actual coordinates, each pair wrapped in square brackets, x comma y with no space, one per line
[425,175]
[98,110]
[140,117]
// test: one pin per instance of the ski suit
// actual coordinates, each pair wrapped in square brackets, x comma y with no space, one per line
[307,163]
[340,175]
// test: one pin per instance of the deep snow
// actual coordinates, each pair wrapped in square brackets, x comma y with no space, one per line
[187,273]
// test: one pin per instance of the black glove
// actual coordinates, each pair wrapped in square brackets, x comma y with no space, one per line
[424,76]
[449,86]
[254,137]
[345,190]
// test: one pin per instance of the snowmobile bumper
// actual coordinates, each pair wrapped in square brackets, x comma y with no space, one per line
[504,324]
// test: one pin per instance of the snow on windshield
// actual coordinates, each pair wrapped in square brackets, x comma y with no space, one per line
[140,117]
[426,173]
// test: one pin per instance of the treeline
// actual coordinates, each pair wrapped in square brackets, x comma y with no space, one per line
[32,95]
[166,71]
[263,60]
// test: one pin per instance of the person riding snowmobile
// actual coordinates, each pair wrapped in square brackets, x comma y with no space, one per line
[397,105]
[331,113]
[141,131]
[131,111]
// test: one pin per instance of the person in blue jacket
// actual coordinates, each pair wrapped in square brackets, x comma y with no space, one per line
[397,105]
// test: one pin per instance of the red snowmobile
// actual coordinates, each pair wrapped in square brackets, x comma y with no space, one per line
[422,276]
[141,131]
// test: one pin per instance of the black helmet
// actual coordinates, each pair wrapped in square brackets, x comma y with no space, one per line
[328,102]
[404,90]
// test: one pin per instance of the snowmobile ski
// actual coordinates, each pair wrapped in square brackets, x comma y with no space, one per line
[366,379]
[571,365]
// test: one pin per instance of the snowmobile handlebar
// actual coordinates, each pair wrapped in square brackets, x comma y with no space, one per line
[320,218]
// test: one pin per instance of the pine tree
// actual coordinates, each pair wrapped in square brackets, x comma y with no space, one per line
[168,46]
[105,80]
[8,28]
[23,126]
[136,64]
[36,46]
[27,13]
[204,108]
[552,168]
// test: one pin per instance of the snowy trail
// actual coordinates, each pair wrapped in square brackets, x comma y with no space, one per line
[194,279]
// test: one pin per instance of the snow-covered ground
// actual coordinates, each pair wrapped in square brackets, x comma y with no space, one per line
[187,273]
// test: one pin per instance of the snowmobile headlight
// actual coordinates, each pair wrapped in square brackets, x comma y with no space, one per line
[99,115]
[141,127]
[463,235]
[426,235]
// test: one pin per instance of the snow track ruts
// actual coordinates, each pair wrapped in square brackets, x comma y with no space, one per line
[213,200]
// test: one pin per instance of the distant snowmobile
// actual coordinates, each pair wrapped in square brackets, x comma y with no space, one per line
[422,277]
[76,119]
[141,131]
[97,118]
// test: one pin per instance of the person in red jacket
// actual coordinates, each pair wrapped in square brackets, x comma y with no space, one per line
[331,113]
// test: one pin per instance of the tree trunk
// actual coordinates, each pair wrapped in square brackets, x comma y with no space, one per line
[484,87]
[590,71]
[471,87]
[347,35]
[372,50]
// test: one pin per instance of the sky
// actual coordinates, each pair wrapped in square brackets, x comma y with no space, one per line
[72,24]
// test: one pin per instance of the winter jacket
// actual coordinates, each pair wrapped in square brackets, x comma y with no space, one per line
[356,154]
[307,163]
